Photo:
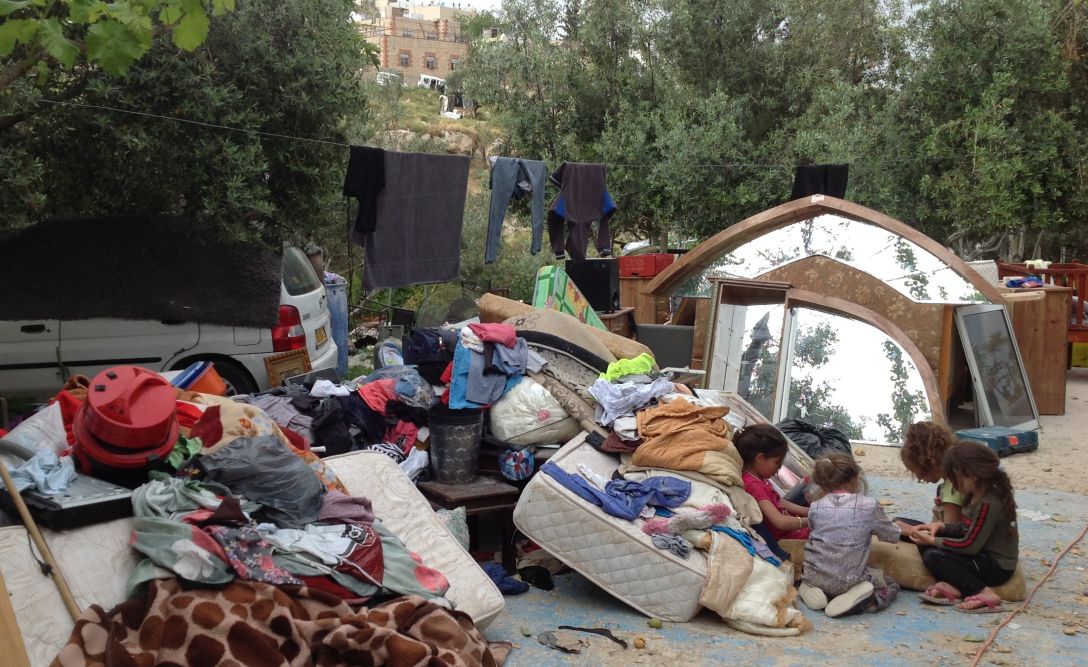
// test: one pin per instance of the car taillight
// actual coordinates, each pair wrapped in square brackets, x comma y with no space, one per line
[288,333]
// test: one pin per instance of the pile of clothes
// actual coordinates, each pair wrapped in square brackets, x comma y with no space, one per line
[679,478]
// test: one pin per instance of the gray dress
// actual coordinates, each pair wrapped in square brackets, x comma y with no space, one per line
[837,551]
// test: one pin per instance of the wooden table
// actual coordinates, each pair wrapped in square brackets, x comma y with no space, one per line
[620,321]
[482,496]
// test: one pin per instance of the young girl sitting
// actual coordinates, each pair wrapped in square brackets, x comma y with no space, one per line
[982,551]
[837,552]
[922,452]
[762,448]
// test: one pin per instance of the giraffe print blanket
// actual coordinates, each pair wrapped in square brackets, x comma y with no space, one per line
[253,624]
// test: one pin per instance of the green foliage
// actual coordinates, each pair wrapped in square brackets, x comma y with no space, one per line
[908,405]
[111,35]
[278,68]
[965,119]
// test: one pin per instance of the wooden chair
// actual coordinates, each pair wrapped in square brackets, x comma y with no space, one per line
[1069,274]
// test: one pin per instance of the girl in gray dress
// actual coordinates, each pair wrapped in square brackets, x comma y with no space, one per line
[837,552]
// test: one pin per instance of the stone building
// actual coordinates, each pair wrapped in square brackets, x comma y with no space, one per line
[417,39]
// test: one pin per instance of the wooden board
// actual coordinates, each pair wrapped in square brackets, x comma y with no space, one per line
[702,333]
[1040,328]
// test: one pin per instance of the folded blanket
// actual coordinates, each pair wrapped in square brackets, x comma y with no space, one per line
[680,435]
[251,623]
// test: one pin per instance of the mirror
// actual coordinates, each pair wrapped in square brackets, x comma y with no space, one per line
[1002,396]
[847,374]
[889,257]
[749,339]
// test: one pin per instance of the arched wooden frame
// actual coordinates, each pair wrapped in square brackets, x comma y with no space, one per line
[836,306]
[706,253]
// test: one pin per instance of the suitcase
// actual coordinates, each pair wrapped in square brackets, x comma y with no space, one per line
[1002,440]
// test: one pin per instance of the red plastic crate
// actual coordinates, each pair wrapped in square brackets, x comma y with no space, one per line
[644,266]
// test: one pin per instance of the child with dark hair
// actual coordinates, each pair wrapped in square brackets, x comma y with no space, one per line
[762,448]
[981,551]
[922,453]
[837,552]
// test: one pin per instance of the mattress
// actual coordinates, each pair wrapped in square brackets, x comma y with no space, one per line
[96,560]
[612,553]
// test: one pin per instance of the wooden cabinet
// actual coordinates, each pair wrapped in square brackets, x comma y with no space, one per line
[648,309]
[1040,325]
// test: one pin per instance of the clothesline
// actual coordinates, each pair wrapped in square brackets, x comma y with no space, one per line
[640,165]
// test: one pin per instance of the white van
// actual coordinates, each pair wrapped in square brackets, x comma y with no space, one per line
[388,79]
[36,357]
[432,82]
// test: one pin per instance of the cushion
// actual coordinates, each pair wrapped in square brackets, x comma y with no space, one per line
[903,563]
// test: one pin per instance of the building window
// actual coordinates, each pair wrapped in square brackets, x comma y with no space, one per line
[432,62]
[455,63]
[405,59]
[430,35]
[405,33]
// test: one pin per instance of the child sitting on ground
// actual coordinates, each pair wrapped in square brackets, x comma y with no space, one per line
[762,448]
[981,551]
[922,452]
[837,552]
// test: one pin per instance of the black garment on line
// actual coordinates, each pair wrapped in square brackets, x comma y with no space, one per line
[820,179]
[365,180]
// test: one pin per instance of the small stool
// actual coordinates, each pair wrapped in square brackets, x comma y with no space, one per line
[481,496]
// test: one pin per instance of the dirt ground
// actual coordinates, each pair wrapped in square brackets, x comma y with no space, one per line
[1064,439]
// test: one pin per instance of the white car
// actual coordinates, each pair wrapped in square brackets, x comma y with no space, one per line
[37,356]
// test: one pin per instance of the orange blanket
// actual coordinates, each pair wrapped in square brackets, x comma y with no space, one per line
[680,435]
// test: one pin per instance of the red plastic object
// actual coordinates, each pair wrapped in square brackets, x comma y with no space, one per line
[644,266]
[288,333]
[90,449]
[129,407]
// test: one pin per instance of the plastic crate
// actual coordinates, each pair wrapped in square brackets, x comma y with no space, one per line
[1002,440]
[644,266]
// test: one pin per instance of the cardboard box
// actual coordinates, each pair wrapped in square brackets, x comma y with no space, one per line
[644,266]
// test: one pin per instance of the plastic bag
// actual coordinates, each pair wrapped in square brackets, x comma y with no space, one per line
[44,429]
[529,415]
[815,440]
[265,471]
[517,464]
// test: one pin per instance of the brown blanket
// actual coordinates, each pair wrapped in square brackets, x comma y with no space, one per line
[680,435]
[256,624]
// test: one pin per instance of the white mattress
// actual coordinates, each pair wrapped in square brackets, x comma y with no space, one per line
[613,553]
[97,560]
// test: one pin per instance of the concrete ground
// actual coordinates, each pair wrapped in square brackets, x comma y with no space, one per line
[1053,630]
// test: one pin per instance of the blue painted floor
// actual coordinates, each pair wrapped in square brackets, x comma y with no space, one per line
[908,633]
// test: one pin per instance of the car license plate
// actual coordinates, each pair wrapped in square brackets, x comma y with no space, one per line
[321,336]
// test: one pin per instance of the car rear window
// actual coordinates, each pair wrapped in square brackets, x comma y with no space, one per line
[299,276]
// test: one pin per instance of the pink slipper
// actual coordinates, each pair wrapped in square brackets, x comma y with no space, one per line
[946,598]
[989,606]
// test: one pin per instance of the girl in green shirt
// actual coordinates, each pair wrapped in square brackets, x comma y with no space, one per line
[922,452]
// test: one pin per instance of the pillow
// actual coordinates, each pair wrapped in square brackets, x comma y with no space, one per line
[903,563]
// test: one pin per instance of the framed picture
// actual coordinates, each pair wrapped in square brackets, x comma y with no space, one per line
[288,364]
[1002,393]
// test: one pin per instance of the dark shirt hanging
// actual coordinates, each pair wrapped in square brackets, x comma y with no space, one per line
[820,179]
[365,180]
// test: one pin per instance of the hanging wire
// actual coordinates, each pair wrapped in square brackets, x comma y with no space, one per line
[641,165]
[272,135]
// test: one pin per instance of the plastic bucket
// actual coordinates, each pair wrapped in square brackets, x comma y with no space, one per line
[338,318]
[209,382]
[455,444]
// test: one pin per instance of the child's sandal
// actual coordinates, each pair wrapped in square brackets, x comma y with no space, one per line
[988,606]
[946,598]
